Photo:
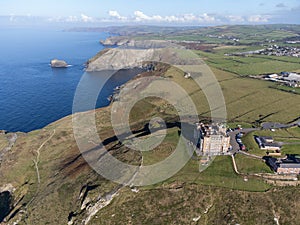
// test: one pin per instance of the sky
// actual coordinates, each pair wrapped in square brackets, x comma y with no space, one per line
[166,12]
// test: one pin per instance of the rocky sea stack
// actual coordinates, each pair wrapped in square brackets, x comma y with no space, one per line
[55,63]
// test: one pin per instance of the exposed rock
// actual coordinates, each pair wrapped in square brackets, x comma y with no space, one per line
[6,200]
[115,41]
[12,138]
[135,53]
[7,187]
[55,63]
[116,59]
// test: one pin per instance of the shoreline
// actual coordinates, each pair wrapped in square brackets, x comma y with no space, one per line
[48,92]
[114,92]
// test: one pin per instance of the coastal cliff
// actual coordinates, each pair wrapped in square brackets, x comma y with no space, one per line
[115,41]
[45,179]
[133,53]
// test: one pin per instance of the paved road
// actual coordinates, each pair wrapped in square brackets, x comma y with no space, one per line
[250,155]
[270,125]
[233,143]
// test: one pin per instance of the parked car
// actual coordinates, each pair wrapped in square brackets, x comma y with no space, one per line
[238,140]
[239,135]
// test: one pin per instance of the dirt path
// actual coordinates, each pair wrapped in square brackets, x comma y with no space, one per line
[250,155]
[37,160]
[234,165]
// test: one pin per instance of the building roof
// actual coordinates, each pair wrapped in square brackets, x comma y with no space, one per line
[266,137]
[291,161]
[289,165]
[293,76]
[266,144]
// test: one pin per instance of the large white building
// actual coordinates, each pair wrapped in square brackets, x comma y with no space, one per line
[211,140]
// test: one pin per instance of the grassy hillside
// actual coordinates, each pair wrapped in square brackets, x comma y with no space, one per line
[54,184]
[65,185]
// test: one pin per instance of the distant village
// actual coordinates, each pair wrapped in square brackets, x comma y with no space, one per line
[272,50]
[223,36]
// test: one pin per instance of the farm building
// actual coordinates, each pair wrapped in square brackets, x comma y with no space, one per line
[288,165]
[267,143]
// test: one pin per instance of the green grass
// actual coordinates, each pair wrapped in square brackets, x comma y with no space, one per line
[251,65]
[251,145]
[286,89]
[289,136]
[248,165]
[282,135]
[243,124]
[220,173]
[64,173]
[3,141]
[247,100]
[164,150]
[291,149]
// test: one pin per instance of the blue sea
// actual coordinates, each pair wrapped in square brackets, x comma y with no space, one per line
[32,94]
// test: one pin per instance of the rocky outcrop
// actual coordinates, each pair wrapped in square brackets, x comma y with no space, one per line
[115,41]
[135,53]
[6,200]
[55,63]
[116,59]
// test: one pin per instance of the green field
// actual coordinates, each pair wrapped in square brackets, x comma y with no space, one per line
[220,173]
[251,144]
[249,101]
[290,137]
[286,89]
[247,35]
[70,189]
[251,65]
[291,149]
[248,165]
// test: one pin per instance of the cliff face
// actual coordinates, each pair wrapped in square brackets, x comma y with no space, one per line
[44,174]
[115,41]
[135,53]
[44,178]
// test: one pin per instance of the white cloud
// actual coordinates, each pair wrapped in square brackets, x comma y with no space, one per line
[140,16]
[56,19]
[235,19]
[116,15]
[86,19]
[207,18]
[71,19]
[259,19]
